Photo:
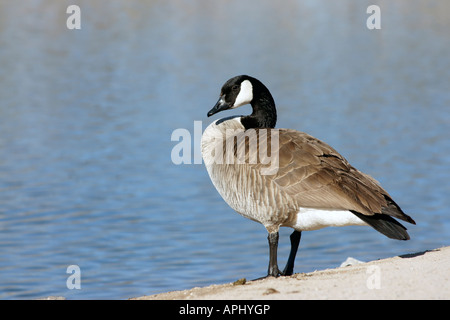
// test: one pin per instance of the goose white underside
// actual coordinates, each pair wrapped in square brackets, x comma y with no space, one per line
[313,219]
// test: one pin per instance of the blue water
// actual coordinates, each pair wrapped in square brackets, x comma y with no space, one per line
[86,118]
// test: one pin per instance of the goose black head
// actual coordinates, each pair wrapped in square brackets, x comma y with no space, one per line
[236,92]
[242,90]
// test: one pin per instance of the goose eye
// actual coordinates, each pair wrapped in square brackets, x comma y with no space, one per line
[235,88]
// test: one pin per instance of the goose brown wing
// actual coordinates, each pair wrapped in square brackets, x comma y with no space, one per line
[317,176]
[311,174]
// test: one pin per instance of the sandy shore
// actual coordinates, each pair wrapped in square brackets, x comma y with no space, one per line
[422,275]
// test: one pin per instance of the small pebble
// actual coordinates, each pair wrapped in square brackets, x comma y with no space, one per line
[270,291]
[350,262]
[239,282]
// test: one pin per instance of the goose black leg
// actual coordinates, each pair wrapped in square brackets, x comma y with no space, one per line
[273,248]
[295,241]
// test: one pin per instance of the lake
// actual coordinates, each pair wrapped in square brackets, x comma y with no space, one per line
[87,116]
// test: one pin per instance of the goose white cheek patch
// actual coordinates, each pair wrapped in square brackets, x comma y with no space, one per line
[245,94]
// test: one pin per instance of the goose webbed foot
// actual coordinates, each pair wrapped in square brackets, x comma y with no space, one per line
[274,272]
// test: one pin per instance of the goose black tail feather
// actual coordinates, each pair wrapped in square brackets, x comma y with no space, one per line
[385,224]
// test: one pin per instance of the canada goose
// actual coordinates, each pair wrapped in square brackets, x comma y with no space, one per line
[313,187]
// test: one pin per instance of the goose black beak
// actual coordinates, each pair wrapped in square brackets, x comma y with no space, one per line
[220,106]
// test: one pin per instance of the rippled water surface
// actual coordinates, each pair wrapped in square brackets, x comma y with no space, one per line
[86,118]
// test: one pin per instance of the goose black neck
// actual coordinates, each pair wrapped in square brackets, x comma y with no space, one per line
[264,113]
